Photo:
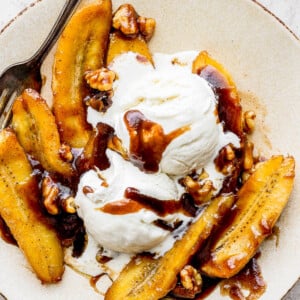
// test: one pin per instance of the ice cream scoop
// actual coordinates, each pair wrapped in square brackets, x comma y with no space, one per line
[166,119]
[112,205]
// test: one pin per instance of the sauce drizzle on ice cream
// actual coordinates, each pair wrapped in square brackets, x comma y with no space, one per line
[148,140]
[134,201]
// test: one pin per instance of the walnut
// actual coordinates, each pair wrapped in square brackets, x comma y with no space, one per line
[191,279]
[225,161]
[66,153]
[101,79]
[146,27]
[68,205]
[50,193]
[248,155]
[125,20]
[100,101]
[200,191]
[249,121]
[230,154]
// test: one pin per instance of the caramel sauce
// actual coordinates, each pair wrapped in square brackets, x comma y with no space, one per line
[87,190]
[94,154]
[134,201]
[148,140]
[232,181]
[94,280]
[122,207]
[275,234]
[208,286]
[249,279]
[229,107]
[5,233]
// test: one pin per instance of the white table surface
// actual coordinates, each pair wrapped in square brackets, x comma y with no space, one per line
[287,11]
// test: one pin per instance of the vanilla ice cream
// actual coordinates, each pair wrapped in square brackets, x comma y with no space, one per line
[166,108]
[125,232]
[173,97]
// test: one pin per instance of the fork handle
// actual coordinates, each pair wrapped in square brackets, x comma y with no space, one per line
[55,32]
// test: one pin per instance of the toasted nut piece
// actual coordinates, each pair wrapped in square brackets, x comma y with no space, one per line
[225,161]
[203,175]
[66,153]
[50,193]
[146,27]
[230,155]
[245,176]
[125,20]
[191,279]
[101,79]
[68,205]
[248,155]
[201,192]
[249,121]
[101,101]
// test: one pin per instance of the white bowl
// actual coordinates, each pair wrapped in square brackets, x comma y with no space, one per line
[263,57]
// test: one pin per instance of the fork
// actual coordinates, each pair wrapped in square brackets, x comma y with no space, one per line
[27,74]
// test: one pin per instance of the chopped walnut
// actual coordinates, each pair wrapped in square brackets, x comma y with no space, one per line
[146,27]
[249,121]
[66,153]
[248,155]
[201,192]
[190,278]
[230,155]
[50,193]
[100,101]
[68,205]
[225,160]
[125,20]
[101,79]
[203,175]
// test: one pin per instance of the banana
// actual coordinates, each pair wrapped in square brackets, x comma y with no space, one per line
[260,203]
[37,132]
[120,44]
[19,208]
[148,278]
[81,47]
[229,107]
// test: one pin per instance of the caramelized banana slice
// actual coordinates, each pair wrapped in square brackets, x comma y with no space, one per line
[148,278]
[229,107]
[37,132]
[81,47]
[259,205]
[20,210]
[120,44]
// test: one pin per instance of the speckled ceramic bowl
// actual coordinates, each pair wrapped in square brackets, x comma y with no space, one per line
[264,59]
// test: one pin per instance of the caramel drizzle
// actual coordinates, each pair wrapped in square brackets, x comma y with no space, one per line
[134,201]
[148,140]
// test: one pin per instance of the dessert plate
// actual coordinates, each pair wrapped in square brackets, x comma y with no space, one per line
[264,59]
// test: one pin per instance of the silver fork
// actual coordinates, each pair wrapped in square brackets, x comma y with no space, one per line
[27,73]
